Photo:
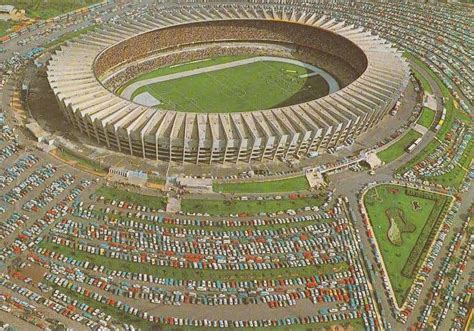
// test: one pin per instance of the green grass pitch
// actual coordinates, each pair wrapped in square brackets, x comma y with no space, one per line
[249,87]
[415,219]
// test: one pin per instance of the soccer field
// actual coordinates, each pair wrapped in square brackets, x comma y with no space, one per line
[232,87]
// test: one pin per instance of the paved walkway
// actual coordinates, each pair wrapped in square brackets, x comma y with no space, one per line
[420,129]
[333,85]
[174,205]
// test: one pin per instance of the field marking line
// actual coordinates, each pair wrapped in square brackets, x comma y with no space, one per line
[128,91]
[279,82]
[311,74]
[146,99]
[227,89]
[196,61]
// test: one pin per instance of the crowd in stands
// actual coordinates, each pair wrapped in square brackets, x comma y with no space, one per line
[322,42]
[437,34]
[390,73]
[337,67]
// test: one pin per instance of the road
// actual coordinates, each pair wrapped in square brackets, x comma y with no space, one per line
[464,280]
[350,185]
[346,183]
[105,13]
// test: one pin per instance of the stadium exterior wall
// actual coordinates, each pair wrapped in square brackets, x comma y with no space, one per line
[228,138]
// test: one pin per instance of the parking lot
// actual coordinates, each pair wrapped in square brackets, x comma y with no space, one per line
[73,255]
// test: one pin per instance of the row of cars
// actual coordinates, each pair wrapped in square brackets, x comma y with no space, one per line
[13,172]
[200,249]
[256,175]
[44,28]
[429,262]
[8,151]
[344,287]
[49,303]
[446,156]
[334,314]
[437,34]
[347,291]
[464,304]
[29,236]
[9,148]
[49,193]
[108,212]
[448,276]
[25,239]
[12,223]
[35,180]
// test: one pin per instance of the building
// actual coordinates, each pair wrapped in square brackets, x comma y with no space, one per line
[195,185]
[37,131]
[7,9]
[126,176]
[84,75]
[373,160]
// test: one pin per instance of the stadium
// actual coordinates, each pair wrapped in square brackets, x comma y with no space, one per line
[221,83]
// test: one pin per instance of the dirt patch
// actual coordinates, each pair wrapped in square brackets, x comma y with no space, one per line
[31,270]
[57,154]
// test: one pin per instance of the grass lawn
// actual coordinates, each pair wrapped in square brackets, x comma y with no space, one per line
[456,176]
[46,9]
[453,178]
[69,35]
[194,274]
[402,225]
[283,185]
[427,117]
[4,26]
[157,180]
[253,207]
[399,148]
[111,193]
[79,161]
[258,85]
[424,82]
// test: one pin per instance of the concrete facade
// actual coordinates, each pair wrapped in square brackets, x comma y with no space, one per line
[75,73]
